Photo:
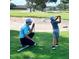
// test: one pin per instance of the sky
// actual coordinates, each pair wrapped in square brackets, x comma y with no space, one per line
[23,2]
[19,2]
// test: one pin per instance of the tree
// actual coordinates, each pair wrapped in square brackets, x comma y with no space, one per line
[65,3]
[31,5]
[28,4]
[41,4]
[12,5]
[53,1]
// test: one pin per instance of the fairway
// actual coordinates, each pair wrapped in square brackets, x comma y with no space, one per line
[38,14]
[43,49]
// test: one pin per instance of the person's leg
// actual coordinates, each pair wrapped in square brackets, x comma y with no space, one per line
[57,38]
[23,42]
[57,43]
[54,38]
[29,42]
[54,41]
[31,35]
[53,44]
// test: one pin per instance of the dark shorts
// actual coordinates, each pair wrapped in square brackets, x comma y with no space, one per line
[25,41]
[56,34]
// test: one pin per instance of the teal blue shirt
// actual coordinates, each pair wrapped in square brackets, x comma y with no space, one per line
[24,31]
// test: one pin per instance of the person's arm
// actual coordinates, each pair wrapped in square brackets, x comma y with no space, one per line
[25,32]
[58,19]
[28,37]
[32,27]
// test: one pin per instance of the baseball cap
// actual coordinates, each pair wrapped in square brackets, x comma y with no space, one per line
[28,20]
[52,18]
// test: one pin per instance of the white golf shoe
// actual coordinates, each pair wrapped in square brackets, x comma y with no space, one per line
[22,48]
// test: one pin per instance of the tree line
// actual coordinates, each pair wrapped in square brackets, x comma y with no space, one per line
[41,4]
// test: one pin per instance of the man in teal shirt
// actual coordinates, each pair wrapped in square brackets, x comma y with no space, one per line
[26,34]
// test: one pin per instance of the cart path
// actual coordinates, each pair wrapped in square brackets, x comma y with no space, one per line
[41,24]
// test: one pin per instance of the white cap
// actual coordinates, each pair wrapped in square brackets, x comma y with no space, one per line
[28,20]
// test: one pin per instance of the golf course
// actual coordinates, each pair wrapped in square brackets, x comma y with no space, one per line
[43,36]
[39,16]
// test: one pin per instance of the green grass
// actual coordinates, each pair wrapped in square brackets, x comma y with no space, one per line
[43,49]
[37,14]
